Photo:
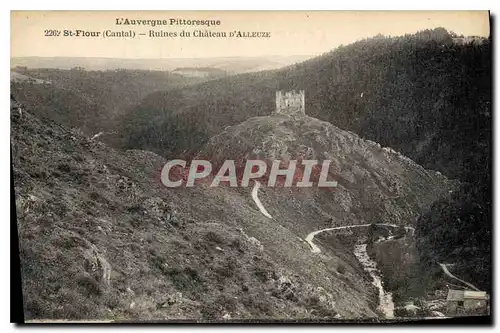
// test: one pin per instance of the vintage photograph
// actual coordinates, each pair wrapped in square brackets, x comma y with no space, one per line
[252,166]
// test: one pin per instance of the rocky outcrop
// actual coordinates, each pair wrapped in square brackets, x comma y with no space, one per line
[375,184]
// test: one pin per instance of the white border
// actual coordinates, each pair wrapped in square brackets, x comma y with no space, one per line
[256,5]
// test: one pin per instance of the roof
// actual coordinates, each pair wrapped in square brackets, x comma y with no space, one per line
[475,294]
[461,295]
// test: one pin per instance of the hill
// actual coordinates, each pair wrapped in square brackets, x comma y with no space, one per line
[102,238]
[210,72]
[426,95]
[232,65]
[89,100]
[417,94]
[375,184]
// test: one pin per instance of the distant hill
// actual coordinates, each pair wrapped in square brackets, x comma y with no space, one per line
[417,94]
[232,65]
[206,72]
[88,99]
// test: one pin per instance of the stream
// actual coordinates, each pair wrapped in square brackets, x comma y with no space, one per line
[386,305]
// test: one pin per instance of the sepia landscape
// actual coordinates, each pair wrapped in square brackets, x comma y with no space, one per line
[405,121]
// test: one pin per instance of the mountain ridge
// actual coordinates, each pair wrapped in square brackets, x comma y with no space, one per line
[381,88]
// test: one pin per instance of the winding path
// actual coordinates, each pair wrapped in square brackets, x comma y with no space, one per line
[255,198]
[447,272]
[316,249]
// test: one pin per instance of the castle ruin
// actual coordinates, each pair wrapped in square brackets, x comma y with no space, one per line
[290,103]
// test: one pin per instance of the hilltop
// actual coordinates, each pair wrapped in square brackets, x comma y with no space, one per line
[375,184]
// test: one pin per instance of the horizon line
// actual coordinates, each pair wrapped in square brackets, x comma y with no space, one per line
[240,56]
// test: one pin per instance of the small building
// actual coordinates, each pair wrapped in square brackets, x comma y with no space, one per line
[467,302]
[290,103]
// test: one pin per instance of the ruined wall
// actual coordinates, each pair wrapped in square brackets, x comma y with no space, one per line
[290,103]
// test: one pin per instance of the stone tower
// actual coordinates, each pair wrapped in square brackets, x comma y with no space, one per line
[290,103]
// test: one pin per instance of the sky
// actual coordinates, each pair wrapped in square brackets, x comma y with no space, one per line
[291,32]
